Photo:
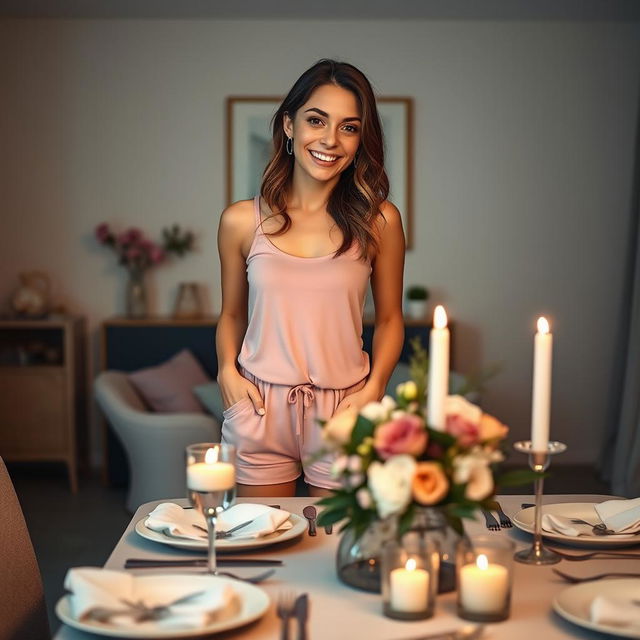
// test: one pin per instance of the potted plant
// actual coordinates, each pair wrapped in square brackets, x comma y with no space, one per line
[417,297]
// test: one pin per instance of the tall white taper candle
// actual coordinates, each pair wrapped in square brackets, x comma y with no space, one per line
[438,386]
[541,397]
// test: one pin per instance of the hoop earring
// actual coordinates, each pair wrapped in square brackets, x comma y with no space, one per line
[289,146]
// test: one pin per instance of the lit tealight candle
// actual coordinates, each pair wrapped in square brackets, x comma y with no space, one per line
[484,587]
[541,398]
[438,388]
[409,588]
[211,475]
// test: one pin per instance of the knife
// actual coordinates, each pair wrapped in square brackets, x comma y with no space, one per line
[301,611]
[311,514]
[150,563]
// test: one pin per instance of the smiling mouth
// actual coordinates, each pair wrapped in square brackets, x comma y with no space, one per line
[325,158]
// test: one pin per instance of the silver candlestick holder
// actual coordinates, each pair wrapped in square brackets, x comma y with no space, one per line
[539,462]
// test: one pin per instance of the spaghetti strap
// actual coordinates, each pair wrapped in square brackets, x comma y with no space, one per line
[256,211]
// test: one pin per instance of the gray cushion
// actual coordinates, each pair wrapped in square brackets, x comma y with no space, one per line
[211,397]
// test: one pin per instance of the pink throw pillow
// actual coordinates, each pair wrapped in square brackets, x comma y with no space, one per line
[167,388]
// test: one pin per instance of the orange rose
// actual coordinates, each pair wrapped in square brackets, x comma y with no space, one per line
[491,429]
[430,485]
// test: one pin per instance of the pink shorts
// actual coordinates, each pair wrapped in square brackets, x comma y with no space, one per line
[271,449]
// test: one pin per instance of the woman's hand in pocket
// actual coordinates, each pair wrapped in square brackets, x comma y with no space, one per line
[235,388]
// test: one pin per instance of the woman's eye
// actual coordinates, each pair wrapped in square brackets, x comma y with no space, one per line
[351,128]
[314,120]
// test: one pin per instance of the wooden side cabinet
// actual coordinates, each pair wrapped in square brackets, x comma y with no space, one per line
[42,392]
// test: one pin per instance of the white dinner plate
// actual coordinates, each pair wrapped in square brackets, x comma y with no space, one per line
[524,520]
[251,604]
[574,602]
[225,544]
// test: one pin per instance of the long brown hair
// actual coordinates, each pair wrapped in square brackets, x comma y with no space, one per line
[355,201]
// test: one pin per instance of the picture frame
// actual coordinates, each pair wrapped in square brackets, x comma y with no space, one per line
[249,148]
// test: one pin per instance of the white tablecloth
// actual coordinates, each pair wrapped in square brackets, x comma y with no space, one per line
[338,612]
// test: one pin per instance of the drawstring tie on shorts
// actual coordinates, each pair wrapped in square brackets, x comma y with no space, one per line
[301,395]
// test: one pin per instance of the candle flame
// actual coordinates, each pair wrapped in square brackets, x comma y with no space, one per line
[482,562]
[211,456]
[543,325]
[440,317]
[411,565]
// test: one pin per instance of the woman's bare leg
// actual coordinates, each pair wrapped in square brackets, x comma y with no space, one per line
[318,492]
[282,490]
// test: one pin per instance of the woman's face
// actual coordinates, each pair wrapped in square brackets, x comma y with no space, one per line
[325,132]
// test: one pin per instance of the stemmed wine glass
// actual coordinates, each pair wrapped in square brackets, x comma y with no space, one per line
[211,483]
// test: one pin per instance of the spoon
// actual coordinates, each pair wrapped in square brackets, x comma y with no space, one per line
[311,514]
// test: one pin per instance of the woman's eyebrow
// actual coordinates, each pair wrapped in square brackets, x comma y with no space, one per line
[326,115]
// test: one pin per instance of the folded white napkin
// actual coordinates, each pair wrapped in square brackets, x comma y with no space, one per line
[172,520]
[615,612]
[622,516]
[93,588]
[559,524]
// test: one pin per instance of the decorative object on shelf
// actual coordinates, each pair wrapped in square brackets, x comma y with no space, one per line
[485,575]
[188,302]
[391,465]
[32,298]
[416,302]
[137,253]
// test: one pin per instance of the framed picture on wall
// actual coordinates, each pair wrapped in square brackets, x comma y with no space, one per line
[249,148]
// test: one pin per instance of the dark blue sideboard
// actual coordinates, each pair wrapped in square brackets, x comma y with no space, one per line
[131,344]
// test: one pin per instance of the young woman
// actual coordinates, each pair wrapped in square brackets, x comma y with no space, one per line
[296,262]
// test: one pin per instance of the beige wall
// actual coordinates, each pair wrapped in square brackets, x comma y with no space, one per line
[524,138]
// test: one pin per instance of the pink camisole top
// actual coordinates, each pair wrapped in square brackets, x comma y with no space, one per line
[304,316]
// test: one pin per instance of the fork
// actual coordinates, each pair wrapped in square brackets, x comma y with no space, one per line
[606,555]
[285,610]
[599,576]
[505,520]
[490,521]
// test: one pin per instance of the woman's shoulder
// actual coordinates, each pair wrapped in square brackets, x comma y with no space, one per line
[238,217]
[388,216]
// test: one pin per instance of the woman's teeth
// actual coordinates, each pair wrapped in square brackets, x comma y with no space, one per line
[323,157]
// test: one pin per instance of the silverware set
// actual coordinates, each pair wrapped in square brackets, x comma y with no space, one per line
[490,521]
[289,606]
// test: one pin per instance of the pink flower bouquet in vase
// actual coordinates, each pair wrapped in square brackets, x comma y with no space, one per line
[137,254]
[398,475]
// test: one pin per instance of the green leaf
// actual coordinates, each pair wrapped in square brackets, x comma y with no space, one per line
[363,429]
[518,477]
[440,437]
[406,519]
[331,516]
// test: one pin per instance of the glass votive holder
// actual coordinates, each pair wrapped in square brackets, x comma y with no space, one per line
[410,577]
[485,570]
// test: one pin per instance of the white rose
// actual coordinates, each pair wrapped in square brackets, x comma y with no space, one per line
[459,406]
[337,431]
[374,411]
[388,403]
[364,498]
[354,464]
[338,466]
[474,470]
[390,483]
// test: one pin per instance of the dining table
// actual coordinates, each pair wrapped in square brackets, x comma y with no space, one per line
[340,612]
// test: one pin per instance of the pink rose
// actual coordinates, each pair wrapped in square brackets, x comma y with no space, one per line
[102,232]
[156,255]
[403,435]
[464,431]
[133,253]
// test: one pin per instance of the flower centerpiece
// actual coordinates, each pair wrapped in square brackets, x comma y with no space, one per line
[393,468]
[138,253]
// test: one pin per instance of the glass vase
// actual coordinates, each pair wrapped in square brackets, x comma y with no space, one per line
[358,562]
[136,294]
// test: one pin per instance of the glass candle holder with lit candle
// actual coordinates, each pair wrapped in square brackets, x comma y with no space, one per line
[211,483]
[410,577]
[485,569]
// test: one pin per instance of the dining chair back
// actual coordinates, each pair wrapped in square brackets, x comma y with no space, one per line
[23,613]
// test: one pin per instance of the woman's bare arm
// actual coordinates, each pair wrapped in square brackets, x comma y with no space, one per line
[234,238]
